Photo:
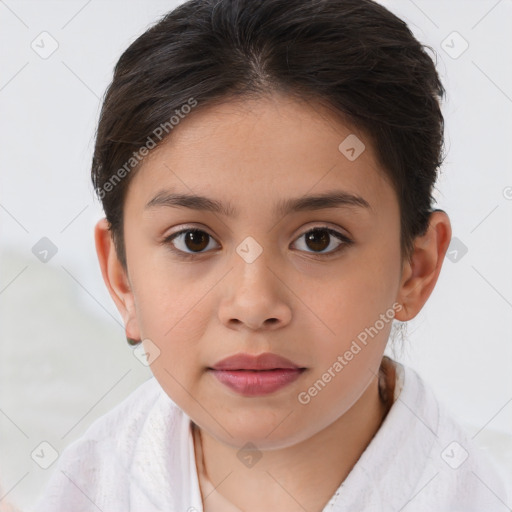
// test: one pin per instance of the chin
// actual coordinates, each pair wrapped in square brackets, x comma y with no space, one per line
[265,434]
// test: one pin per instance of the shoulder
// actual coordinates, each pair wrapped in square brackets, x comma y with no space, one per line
[121,425]
[458,474]
[98,463]
[126,418]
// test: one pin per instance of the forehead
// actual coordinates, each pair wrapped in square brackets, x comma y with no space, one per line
[250,151]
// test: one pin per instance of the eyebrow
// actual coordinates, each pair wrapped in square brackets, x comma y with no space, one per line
[331,199]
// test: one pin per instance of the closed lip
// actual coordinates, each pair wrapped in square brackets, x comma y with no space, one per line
[264,361]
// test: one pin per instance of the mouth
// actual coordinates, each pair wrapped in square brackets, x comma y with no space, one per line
[259,375]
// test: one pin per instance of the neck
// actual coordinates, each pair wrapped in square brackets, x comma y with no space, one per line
[300,477]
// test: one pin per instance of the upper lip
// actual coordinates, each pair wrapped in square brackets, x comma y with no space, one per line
[265,361]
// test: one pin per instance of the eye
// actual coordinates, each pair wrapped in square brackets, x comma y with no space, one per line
[189,242]
[320,239]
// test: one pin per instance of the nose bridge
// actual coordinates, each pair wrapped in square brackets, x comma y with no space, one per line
[251,263]
[254,292]
[250,250]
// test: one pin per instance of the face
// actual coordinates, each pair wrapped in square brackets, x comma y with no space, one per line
[316,284]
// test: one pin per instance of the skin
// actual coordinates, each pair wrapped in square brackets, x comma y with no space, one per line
[290,300]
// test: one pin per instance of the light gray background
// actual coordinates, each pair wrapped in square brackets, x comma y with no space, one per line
[63,357]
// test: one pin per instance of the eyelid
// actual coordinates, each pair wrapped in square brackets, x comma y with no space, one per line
[345,241]
[183,228]
[167,240]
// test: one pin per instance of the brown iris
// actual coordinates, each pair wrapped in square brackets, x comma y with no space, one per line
[317,239]
[196,240]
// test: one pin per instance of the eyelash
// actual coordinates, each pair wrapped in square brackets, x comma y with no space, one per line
[346,242]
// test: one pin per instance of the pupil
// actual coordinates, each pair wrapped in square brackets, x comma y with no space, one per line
[318,237]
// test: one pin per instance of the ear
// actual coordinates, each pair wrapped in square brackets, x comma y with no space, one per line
[419,276]
[116,278]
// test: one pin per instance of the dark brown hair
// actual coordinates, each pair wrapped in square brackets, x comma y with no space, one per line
[354,56]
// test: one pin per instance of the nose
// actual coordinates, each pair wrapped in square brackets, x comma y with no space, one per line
[255,296]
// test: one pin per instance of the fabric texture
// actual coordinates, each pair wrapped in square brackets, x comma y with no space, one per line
[140,457]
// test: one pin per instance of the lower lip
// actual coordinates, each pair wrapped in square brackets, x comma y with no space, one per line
[257,383]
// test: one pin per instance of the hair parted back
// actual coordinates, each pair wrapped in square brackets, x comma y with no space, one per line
[354,56]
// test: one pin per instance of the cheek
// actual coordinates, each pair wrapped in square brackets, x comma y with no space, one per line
[171,315]
[163,293]
[348,306]
[175,324]
[173,311]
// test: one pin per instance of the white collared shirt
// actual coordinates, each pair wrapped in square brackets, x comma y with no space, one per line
[139,457]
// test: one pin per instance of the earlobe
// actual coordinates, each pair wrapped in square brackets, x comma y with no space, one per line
[421,273]
[115,277]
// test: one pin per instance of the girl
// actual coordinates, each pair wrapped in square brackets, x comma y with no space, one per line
[266,170]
